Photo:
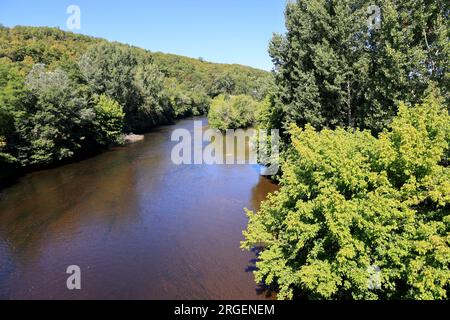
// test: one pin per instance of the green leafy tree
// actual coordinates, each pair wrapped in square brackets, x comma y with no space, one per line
[109,121]
[350,203]
[319,63]
[223,84]
[154,108]
[332,70]
[50,129]
[110,69]
[12,96]
[408,53]
[232,112]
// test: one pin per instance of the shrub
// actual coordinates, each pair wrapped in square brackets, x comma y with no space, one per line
[350,202]
[109,120]
[232,112]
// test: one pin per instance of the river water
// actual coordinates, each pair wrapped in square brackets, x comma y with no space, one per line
[138,226]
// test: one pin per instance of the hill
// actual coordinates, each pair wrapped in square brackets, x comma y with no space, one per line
[63,93]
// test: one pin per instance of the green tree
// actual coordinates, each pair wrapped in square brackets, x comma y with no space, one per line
[332,70]
[109,120]
[13,98]
[350,202]
[50,127]
[223,84]
[232,112]
[110,69]
[154,108]
[408,53]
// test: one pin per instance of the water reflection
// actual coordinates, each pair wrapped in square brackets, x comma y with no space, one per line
[137,225]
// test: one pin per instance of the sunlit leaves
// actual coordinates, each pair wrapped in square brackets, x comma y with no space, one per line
[233,112]
[350,201]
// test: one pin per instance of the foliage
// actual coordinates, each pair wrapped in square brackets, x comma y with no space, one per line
[350,201]
[110,68]
[12,92]
[109,120]
[61,93]
[186,102]
[50,126]
[332,70]
[212,79]
[232,112]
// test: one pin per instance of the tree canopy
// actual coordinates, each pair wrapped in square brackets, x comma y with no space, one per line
[332,69]
[364,206]
[351,203]
[62,93]
[233,112]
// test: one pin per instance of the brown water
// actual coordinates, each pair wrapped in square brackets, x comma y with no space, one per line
[138,226]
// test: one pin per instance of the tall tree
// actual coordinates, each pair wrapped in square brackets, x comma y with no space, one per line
[13,99]
[333,69]
[50,127]
[110,69]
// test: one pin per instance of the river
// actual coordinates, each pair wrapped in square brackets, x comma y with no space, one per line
[138,226]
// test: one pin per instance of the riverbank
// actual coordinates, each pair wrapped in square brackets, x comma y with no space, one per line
[9,174]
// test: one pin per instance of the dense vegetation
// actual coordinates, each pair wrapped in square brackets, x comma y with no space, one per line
[62,94]
[333,69]
[355,201]
[364,114]
[350,201]
[233,112]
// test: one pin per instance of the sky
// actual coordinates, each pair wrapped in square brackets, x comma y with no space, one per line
[224,31]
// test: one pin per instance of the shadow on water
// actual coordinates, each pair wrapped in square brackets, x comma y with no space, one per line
[262,289]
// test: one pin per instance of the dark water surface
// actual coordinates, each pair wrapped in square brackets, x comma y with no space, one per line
[138,226]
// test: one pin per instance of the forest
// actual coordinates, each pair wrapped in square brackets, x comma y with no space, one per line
[64,95]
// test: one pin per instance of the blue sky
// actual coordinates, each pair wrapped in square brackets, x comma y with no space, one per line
[227,31]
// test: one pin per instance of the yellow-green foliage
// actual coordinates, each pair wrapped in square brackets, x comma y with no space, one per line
[350,201]
[109,120]
[232,112]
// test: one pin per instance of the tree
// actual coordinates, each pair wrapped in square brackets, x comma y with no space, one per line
[223,84]
[153,108]
[408,53]
[351,203]
[13,98]
[50,129]
[232,112]
[109,117]
[332,70]
[110,69]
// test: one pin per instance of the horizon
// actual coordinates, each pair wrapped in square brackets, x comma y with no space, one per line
[244,42]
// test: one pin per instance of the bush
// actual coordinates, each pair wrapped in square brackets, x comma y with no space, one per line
[232,112]
[109,120]
[350,203]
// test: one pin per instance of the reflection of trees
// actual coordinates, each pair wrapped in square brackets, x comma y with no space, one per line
[259,194]
[58,203]
[261,190]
